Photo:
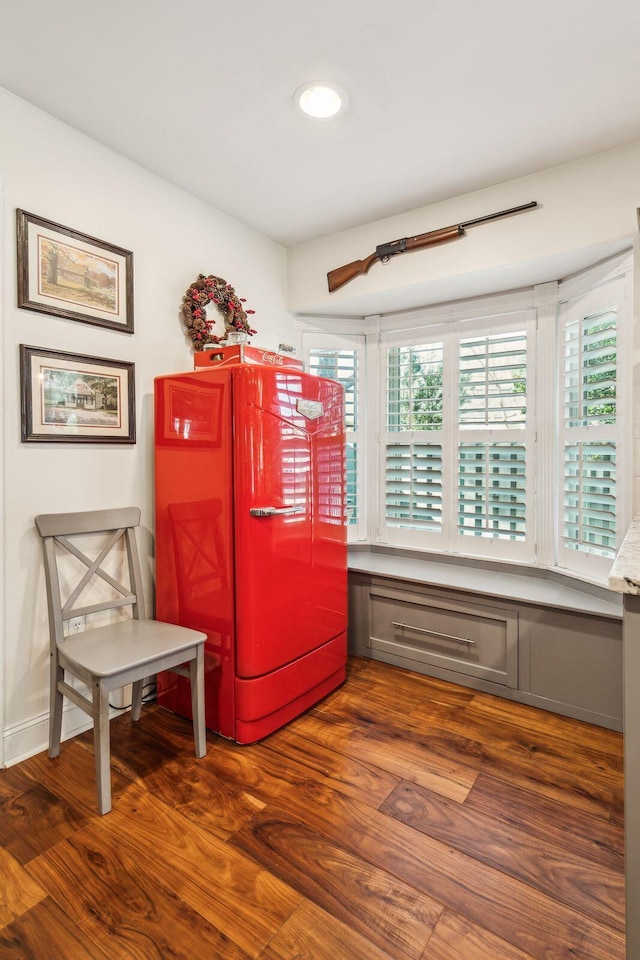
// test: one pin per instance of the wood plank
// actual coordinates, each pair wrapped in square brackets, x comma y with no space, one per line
[312,934]
[508,908]
[72,776]
[264,772]
[446,737]
[407,686]
[596,891]
[363,700]
[236,895]
[18,891]
[401,754]
[520,746]
[556,778]
[485,720]
[13,782]
[158,752]
[134,756]
[540,738]
[617,817]
[455,938]
[342,770]
[551,821]
[117,903]
[46,931]
[36,820]
[392,914]
[161,756]
[533,720]
[355,665]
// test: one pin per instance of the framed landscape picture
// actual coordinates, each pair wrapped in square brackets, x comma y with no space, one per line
[69,274]
[76,399]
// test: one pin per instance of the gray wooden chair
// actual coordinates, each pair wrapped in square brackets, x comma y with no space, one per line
[110,656]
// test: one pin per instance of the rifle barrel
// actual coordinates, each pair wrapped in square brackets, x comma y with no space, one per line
[502,213]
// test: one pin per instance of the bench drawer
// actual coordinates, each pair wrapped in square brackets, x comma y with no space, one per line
[479,641]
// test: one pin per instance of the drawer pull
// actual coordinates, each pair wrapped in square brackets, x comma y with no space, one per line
[433,633]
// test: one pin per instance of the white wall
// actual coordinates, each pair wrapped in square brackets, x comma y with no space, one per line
[50,170]
[587,211]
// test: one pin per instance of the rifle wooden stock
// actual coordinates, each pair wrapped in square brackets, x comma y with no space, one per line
[341,275]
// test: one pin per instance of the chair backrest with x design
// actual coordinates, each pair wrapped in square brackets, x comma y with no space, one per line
[57,529]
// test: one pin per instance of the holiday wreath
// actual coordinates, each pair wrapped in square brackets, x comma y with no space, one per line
[206,290]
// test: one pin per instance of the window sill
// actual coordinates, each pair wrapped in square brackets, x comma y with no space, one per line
[504,581]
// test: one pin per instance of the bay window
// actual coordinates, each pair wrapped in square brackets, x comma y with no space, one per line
[493,428]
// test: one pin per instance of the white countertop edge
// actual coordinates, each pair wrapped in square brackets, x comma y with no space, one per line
[625,572]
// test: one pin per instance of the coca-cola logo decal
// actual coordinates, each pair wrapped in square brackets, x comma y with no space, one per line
[274,358]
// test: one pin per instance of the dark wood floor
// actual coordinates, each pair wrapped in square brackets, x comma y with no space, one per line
[401,818]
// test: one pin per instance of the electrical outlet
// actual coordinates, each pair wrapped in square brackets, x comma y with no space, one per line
[76,624]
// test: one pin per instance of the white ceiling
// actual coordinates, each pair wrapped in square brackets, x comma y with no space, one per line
[446,96]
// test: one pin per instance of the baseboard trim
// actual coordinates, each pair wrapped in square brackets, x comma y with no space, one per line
[29,737]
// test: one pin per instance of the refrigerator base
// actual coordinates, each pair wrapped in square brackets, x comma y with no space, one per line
[261,704]
[249,731]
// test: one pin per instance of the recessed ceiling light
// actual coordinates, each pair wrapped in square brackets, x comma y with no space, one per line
[320,100]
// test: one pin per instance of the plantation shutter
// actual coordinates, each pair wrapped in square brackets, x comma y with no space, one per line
[492,380]
[413,474]
[589,502]
[590,430]
[413,462]
[495,445]
[341,359]
[492,490]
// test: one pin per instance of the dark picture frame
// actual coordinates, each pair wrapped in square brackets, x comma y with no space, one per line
[73,398]
[69,274]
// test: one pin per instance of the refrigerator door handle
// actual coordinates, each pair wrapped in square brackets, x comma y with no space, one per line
[274,511]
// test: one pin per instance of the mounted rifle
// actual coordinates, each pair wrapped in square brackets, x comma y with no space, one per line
[341,275]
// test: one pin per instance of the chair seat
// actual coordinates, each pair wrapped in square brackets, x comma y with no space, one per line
[108,650]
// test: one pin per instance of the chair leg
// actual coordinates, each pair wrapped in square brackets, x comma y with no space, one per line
[196,673]
[101,746]
[55,710]
[136,700]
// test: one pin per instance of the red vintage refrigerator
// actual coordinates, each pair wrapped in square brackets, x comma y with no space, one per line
[251,534]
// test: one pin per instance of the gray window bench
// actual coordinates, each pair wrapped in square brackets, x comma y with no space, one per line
[529,635]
